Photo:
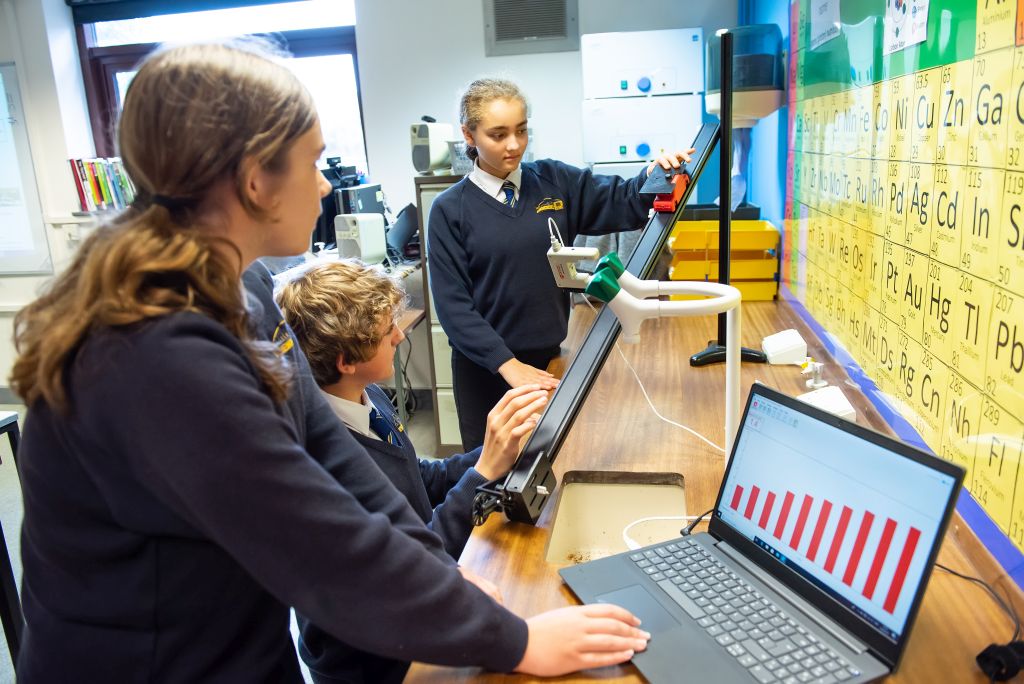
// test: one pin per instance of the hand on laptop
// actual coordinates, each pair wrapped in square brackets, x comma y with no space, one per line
[581,637]
[514,415]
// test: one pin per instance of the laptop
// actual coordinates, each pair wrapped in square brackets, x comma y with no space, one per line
[814,565]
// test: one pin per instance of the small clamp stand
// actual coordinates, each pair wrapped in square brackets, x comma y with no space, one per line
[814,368]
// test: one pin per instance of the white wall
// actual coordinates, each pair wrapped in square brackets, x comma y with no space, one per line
[414,57]
[38,36]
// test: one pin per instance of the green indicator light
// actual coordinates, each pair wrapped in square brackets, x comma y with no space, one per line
[622,149]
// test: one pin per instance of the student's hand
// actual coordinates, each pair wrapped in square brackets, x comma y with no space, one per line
[513,416]
[486,586]
[580,637]
[516,374]
[671,161]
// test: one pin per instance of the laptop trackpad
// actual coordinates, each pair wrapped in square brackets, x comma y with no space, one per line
[635,599]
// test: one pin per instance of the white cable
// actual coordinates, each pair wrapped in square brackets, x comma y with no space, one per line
[648,398]
[556,243]
[631,544]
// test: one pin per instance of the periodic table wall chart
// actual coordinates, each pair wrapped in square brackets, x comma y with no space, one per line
[905,222]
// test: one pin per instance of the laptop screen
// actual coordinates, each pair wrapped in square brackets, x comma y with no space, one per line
[852,517]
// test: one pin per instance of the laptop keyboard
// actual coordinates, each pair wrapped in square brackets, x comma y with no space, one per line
[750,627]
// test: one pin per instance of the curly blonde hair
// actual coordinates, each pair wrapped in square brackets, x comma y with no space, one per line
[338,308]
[193,116]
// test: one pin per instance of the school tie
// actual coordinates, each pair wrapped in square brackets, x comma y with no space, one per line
[509,188]
[383,427]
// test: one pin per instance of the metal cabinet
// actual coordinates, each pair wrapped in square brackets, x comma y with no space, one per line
[446,419]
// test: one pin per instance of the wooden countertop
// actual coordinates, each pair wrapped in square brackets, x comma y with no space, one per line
[616,431]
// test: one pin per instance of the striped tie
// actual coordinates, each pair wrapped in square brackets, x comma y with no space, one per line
[509,188]
[384,428]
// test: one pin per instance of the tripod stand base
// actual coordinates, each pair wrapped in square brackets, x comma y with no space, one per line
[715,353]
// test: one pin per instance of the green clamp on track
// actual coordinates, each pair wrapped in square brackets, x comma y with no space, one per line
[611,262]
[603,285]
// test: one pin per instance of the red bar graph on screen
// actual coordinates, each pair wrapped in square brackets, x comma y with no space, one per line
[736,495]
[798,531]
[901,570]
[780,526]
[876,565]
[859,550]
[858,547]
[837,540]
[819,530]
[767,511]
[755,491]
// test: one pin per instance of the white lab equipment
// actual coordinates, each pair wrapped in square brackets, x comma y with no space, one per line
[361,236]
[628,297]
[786,347]
[831,399]
[430,146]
[642,95]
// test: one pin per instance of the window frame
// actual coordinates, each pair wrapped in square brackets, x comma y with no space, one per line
[100,66]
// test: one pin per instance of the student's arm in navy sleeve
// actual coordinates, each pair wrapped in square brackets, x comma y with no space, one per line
[605,204]
[229,463]
[452,294]
[451,486]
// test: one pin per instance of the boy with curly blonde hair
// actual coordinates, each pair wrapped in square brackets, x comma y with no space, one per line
[343,314]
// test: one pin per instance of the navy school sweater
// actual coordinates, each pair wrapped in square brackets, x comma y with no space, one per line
[173,516]
[489,275]
[441,492]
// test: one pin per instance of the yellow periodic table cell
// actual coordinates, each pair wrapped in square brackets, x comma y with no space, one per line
[930,397]
[878,212]
[983,192]
[814,127]
[881,121]
[936,336]
[846,123]
[839,249]
[954,112]
[997,462]
[826,164]
[901,94]
[853,336]
[858,258]
[816,277]
[990,89]
[1015,114]
[866,351]
[913,282]
[892,280]
[830,108]
[804,182]
[884,370]
[995,27]
[920,206]
[970,324]
[841,310]
[1009,258]
[874,268]
[926,117]
[1004,365]
[962,424]
[860,170]
[897,176]
[863,125]
[816,221]
[841,188]
[906,378]
[948,217]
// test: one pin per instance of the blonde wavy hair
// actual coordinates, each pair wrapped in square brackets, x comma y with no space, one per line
[478,95]
[339,307]
[193,116]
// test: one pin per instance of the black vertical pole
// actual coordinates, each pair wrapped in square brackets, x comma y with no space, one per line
[725,175]
[715,352]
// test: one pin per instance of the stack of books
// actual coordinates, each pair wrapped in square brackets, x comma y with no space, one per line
[102,184]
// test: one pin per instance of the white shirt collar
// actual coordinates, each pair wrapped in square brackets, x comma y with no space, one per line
[355,415]
[492,184]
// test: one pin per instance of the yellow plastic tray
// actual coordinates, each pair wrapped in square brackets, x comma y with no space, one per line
[704,235]
[703,269]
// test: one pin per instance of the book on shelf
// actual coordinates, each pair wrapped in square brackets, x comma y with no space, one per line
[102,184]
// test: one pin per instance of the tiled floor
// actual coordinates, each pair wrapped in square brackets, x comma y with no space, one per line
[420,427]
